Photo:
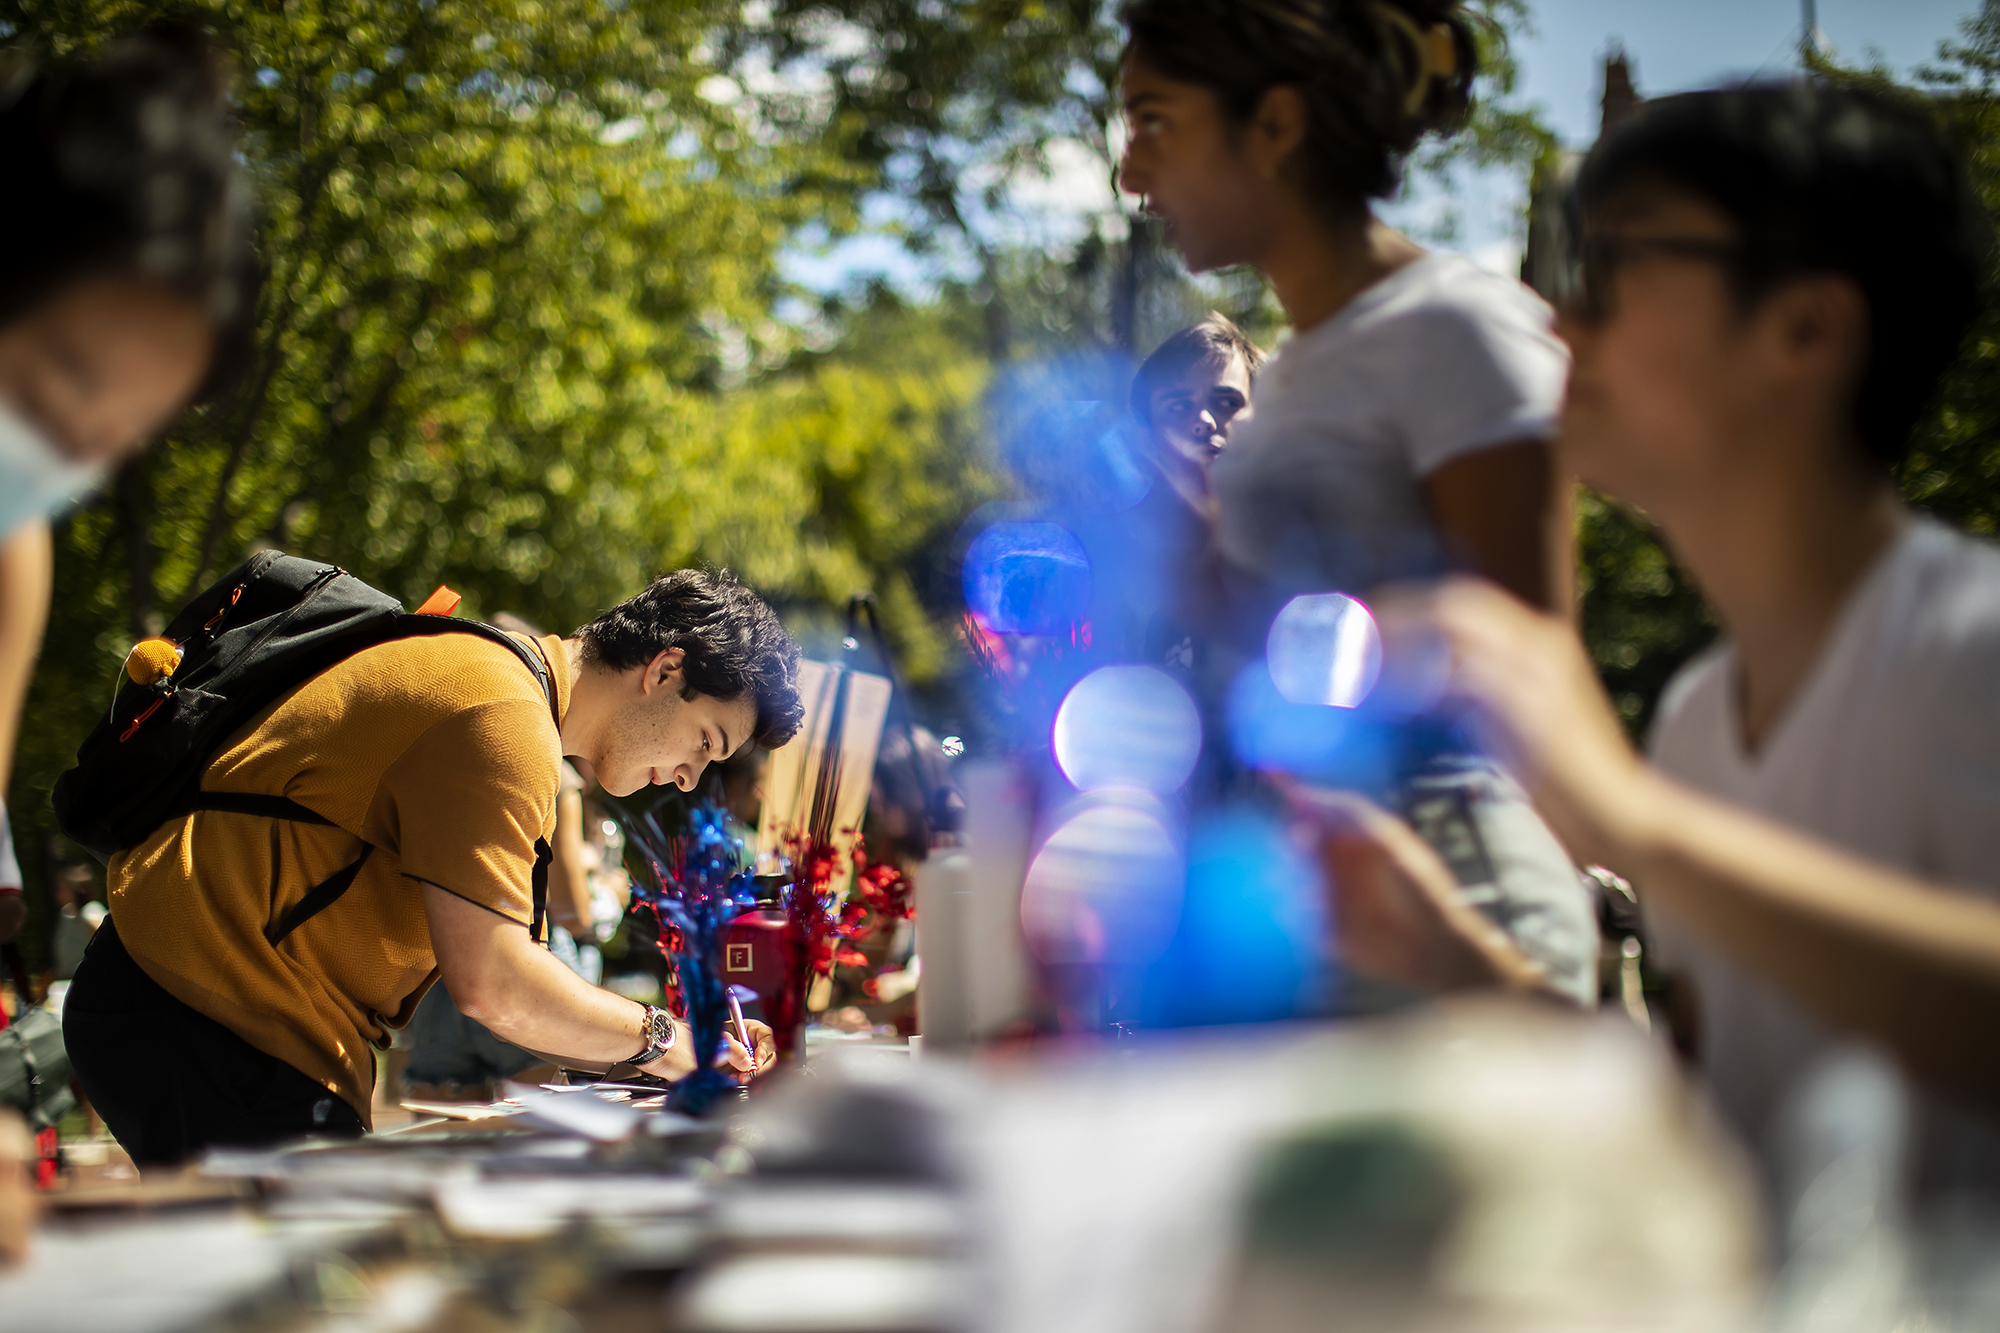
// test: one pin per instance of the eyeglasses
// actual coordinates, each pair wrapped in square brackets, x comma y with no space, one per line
[1600,257]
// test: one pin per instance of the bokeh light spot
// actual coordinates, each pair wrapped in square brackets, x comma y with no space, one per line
[1105,888]
[1324,649]
[1342,746]
[1251,942]
[1270,731]
[1027,578]
[1127,726]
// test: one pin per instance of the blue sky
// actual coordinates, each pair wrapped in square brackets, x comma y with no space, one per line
[1672,44]
[1680,44]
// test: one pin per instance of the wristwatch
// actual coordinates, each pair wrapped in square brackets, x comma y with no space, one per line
[660,1036]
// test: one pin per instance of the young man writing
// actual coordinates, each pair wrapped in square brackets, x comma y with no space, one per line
[187,1028]
[1774,280]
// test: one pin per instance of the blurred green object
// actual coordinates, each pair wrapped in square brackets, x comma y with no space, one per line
[1375,1197]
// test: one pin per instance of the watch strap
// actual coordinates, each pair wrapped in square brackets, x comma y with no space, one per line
[661,1034]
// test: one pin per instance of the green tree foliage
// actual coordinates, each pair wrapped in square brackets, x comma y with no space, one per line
[854,469]
[1642,616]
[932,87]
[953,102]
[1953,467]
[522,260]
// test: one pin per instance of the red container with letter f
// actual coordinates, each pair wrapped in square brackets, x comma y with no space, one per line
[758,952]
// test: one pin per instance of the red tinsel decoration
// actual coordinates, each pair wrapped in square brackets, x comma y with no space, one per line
[824,930]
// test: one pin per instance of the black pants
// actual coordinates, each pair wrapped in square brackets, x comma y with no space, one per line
[170,1082]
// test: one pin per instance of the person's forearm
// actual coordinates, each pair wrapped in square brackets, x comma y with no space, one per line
[26,565]
[500,977]
[1868,950]
[550,1009]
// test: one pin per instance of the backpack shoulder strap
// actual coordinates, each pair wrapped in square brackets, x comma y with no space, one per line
[328,891]
[531,656]
[417,625]
[249,803]
[319,897]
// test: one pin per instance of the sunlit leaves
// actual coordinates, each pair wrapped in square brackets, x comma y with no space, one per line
[512,254]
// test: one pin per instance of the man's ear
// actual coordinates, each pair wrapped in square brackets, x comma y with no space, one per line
[1822,324]
[1279,127]
[664,669]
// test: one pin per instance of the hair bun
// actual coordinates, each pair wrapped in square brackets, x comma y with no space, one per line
[1376,75]
[1429,58]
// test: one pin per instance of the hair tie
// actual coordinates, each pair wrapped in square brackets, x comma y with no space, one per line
[1435,49]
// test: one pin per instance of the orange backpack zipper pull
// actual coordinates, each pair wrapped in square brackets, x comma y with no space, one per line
[443,602]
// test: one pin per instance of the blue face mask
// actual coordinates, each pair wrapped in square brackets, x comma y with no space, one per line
[36,478]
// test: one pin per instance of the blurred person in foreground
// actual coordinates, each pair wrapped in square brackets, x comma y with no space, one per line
[437,762]
[18,1204]
[1406,420]
[128,288]
[128,291]
[1774,279]
[1404,425]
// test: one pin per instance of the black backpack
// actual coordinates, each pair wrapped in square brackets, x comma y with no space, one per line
[267,627]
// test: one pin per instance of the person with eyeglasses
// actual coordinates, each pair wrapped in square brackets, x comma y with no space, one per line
[1774,280]
[1403,427]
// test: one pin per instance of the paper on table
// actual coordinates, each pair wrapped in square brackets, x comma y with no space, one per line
[526,1208]
[592,1117]
[461,1110]
[822,1293]
[172,1273]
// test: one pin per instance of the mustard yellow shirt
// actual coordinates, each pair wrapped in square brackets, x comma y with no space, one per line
[440,753]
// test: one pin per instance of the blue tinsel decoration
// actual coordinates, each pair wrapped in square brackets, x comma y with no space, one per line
[696,892]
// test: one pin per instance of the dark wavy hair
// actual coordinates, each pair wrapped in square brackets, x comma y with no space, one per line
[1376,75]
[125,162]
[1215,337]
[735,647]
[1819,177]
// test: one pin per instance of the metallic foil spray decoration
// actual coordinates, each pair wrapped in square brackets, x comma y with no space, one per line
[1027,578]
[780,948]
[695,894]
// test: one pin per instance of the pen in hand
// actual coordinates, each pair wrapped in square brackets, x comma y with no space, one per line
[742,1035]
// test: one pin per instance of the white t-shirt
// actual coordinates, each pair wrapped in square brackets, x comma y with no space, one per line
[1441,358]
[1892,751]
